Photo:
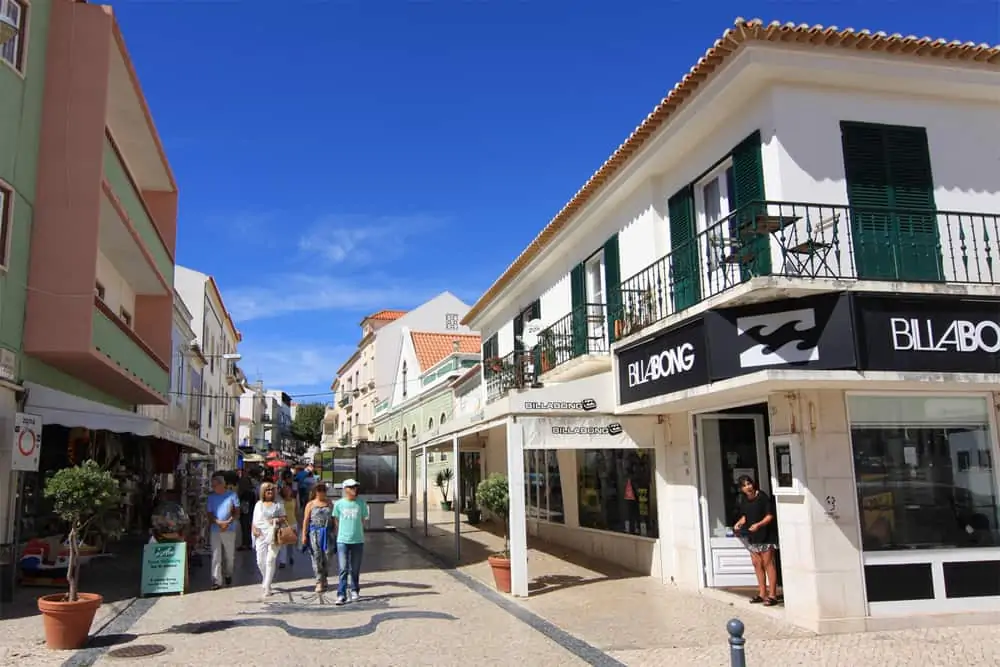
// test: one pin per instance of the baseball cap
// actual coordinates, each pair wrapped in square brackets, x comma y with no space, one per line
[350,482]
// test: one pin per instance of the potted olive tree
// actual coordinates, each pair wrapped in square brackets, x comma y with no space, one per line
[493,496]
[81,496]
[443,483]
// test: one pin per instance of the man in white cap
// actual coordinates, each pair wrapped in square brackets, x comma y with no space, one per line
[350,514]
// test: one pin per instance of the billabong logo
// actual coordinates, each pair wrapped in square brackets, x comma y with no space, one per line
[587,405]
[787,337]
[613,428]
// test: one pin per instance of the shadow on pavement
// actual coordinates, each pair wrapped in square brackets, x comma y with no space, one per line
[322,634]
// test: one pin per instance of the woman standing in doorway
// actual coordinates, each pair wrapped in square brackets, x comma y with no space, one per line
[755,528]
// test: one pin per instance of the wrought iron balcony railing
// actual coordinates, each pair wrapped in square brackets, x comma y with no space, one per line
[583,331]
[813,241]
[512,371]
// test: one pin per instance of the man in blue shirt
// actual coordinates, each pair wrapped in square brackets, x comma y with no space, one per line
[223,514]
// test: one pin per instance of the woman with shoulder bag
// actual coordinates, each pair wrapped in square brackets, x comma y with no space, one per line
[268,522]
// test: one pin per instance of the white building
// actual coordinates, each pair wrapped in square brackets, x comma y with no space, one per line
[786,271]
[187,363]
[277,420]
[252,427]
[218,339]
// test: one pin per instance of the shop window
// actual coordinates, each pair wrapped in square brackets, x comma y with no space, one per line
[617,491]
[924,471]
[543,486]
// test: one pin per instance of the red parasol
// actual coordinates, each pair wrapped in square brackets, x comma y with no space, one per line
[275,463]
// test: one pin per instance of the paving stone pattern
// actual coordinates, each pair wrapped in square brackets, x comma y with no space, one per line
[416,613]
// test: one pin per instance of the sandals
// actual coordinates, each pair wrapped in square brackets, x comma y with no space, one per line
[767,602]
[770,602]
[756,599]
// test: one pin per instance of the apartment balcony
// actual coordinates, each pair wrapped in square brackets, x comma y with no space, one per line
[346,401]
[382,406]
[512,371]
[104,219]
[574,346]
[784,249]
[359,432]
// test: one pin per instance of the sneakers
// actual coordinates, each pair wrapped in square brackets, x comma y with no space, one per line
[354,596]
[266,593]
[216,587]
[340,601]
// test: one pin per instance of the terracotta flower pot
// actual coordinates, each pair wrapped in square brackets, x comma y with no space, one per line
[67,624]
[501,573]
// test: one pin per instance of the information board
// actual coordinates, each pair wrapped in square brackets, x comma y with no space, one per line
[378,471]
[164,566]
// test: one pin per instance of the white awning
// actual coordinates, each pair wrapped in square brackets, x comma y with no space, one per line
[58,407]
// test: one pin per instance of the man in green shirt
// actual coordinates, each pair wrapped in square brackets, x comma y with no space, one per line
[349,516]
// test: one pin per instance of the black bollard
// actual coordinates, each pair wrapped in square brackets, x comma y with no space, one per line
[737,652]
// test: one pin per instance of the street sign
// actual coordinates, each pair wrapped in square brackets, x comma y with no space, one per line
[27,442]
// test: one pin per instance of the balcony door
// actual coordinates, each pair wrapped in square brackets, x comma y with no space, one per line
[596,301]
[713,199]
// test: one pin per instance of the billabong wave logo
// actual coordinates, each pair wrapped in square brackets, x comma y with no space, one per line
[787,337]
[615,429]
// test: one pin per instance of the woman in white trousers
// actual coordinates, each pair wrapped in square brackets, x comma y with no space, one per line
[268,515]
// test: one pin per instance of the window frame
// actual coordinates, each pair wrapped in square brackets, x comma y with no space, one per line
[21,40]
[125,316]
[6,222]
[100,291]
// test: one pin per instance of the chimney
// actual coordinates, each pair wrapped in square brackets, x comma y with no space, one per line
[454,346]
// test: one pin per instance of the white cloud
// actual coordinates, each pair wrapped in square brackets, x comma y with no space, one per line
[282,295]
[359,240]
[288,365]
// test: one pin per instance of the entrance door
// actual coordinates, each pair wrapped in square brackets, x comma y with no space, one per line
[730,446]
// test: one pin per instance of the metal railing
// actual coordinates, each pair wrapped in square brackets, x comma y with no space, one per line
[582,331]
[813,241]
[345,400]
[511,371]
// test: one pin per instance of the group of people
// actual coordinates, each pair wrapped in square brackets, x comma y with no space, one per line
[294,511]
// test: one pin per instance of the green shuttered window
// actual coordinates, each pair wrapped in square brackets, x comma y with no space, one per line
[612,284]
[748,188]
[685,282]
[578,294]
[889,167]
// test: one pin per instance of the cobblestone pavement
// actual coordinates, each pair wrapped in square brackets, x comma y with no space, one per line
[415,613]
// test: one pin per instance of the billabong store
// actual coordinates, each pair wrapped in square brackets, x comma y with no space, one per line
[580,476]
[871,420]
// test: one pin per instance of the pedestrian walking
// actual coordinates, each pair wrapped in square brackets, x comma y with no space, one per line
[316,534]
[290,501]
[247,496]
[223,508]
[350,514]
[268,517]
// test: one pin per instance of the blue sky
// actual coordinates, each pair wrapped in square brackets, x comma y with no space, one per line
[339,157]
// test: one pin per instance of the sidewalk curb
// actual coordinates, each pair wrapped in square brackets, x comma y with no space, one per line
[118,623]
[578,647]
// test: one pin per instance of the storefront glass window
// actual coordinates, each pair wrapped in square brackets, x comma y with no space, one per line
[617,491]
[924,471]
[543,486]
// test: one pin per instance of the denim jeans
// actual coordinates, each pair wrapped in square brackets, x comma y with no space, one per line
[349,562]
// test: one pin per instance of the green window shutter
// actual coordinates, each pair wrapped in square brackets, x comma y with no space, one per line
[612,285]
[891,193]
[518,332]
[490,348]
[578,294]
[685,283]
[748,187]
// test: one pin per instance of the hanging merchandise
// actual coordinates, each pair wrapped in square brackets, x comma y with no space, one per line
[629,491]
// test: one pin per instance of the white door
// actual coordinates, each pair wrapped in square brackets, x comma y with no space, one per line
[596,308]
[730,446]
[713,206]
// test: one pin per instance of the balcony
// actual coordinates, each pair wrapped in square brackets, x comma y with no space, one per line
[382,406]
[815,247]
[345,400]
[574,346]
[512,371]
[359,431]
[344,440]
[141,377]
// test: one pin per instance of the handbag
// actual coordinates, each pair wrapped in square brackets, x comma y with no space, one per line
[286,535]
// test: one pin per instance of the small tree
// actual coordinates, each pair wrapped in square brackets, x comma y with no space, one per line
[81,496]
[443,482]
[308,424]
[493,495]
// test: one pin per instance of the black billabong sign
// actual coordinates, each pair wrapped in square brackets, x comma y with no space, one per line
[671,361]
[935,335]
[811,332]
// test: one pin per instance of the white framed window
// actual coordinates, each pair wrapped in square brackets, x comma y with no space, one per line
[6,220]
[13,51]
[713,204]
[593,270]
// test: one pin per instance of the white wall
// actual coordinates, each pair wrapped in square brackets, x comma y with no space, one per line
[412,384]
[431,317]
[117,292]
[190,285]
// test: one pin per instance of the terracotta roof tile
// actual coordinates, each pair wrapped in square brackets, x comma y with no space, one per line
[386,315]
[731,41]
[433,347]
